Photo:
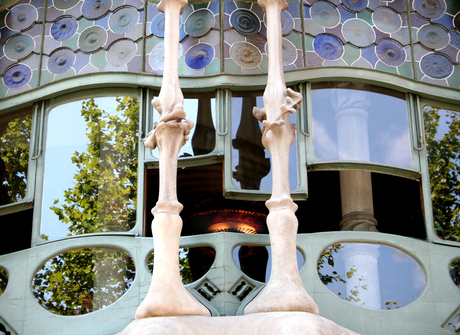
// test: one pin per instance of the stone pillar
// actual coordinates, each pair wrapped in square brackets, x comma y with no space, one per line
[363,287]
[350,102]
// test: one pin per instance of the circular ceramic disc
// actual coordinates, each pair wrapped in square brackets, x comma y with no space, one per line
[289,52]
[19,46]
[355,5]
[325,14]
[358,32]
[246,55]
[121,52]
[92,9]
[64,28]
[431,9]
[457,21]
[245,22]
[390,52]
[328,47]
[21,17]
[61,60]
[287,23]
[124,20]
[157,57]
[386,20]
[199,22]
[199,56]
[433,36]
[17,76]
[158,25]
[92,38]
[436,66]
[64,4]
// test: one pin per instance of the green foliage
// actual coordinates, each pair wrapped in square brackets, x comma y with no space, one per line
[3,280]
[83,281]
[14,154]
[328,257]
[443,152]
[105,192]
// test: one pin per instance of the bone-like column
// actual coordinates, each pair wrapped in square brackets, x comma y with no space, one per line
[284,290]
[167,296]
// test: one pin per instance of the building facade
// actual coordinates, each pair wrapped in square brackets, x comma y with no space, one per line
[373,168]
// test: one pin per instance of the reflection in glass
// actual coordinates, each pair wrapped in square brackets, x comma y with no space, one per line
[256,261]
[371,276]
[250,160]
[360,122]
[442,133]
[202,111]
[15,131]
[3,280]
[194,263]
[82,281]
[90,182]
[455,272]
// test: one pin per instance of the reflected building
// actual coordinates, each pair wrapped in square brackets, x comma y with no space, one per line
[373,168]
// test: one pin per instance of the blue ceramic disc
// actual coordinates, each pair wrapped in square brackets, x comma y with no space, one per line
[124,20]
[199,56]
[436,66]
[325,14]
[433,36]
[355,5]
[21,17]
[92,9]
[390,52]
[158,25]
[245,22]
[358,32]
[121,52]
[199,23]
[246,55]
[61,60]
[328,47]
[431,9]
[17,76]
[19,46]
[287,23]
[64,4]
[386,20]
[92,38]
[289,52]
[64,28]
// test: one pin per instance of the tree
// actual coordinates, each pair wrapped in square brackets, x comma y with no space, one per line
[103,198]
[14,154]
[443,152]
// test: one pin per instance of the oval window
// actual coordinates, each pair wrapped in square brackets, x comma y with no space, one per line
[372,276]
[256,261]
[82,281]
[454,270]
[194,263]
[3,280]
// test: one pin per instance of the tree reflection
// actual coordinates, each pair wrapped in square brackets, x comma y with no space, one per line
[103,198]
[443,150]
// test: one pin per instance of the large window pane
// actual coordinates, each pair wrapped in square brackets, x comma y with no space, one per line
[357,122]
[15,134]
[90,181]
[251,164]
[442,133]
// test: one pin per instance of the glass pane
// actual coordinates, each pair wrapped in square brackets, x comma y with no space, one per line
[250,160]
[82,281]
[90,182]
[442,133]
[3,280]
[360,122]
[202,137]
[371,276]
[194,263]
[15,129]
[256,262]
[455,272]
